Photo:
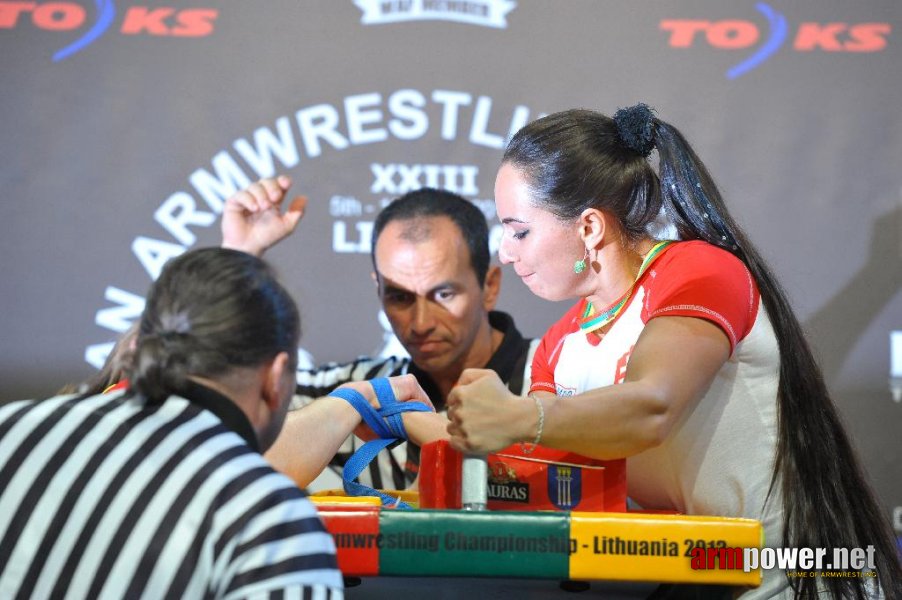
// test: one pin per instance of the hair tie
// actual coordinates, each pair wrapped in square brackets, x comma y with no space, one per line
[635,126]
[175,323]
[172,337]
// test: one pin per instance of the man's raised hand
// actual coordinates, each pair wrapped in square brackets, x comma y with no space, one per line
[253,221]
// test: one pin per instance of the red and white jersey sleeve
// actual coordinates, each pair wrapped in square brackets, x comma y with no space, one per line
[695,279]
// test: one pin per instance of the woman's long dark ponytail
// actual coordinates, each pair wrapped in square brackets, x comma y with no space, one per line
[583,159]
[827,501]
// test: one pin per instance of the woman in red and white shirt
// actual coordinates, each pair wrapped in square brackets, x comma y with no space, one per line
[683,356]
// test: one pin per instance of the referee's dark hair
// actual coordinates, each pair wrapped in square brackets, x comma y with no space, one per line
[211,309]
[430,202]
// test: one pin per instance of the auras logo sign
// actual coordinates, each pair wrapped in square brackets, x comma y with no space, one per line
[767,39]
[134,20]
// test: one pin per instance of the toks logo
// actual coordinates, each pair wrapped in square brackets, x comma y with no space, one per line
[137,20]
[809,36]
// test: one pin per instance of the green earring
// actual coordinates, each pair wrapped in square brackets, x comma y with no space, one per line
[580,265]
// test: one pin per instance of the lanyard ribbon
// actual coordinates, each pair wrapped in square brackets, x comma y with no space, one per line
[386,422]
[592,322]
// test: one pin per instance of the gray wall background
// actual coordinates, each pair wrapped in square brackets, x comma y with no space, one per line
[177,106]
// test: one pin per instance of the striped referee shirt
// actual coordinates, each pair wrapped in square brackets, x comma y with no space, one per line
[397,467]
[106,497]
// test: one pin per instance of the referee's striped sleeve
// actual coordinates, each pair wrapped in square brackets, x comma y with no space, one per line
[315,383]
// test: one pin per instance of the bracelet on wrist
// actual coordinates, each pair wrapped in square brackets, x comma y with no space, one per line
[528,448]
